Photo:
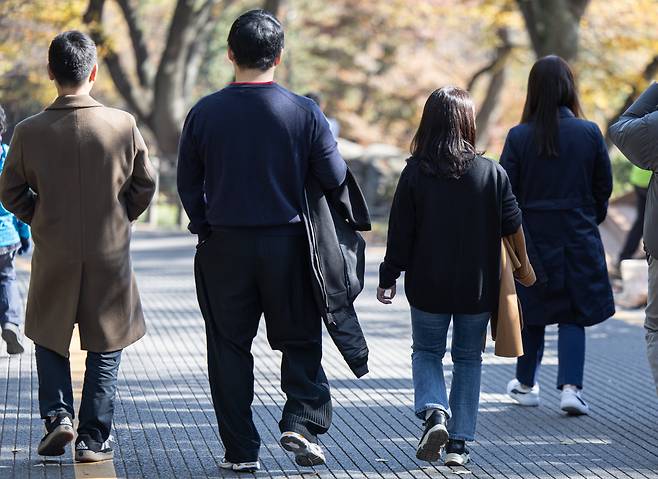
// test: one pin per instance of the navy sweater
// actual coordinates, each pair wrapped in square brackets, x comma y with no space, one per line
[244,155]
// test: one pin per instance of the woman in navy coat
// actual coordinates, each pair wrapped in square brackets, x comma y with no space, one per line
[560,172]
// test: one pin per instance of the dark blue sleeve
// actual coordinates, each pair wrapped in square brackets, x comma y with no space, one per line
[190,179]
[509,160]
[326,164]
[602,177]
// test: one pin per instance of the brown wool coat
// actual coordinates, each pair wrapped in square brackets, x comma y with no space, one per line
[78,173]
[507,322]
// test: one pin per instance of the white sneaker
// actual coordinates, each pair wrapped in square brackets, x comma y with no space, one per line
[307,453]
[523,395]
[572,402]
[240,466]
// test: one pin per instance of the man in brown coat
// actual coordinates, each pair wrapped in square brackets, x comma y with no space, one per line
[79,174]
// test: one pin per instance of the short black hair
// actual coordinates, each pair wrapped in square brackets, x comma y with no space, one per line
[3,121]
[256,39]
[71,57]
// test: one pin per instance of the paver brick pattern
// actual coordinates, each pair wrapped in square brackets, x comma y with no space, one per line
[165,424]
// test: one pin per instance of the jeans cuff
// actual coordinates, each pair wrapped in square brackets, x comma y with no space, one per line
[461,437]
[420,413]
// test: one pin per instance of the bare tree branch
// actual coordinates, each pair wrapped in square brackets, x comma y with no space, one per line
[496,69]
[94,11]
[498,62]
[198,50]
[125,86]
[142,61]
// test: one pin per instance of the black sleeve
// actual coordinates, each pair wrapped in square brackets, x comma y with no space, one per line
[510,212]
[602,178]
[401,232]
[190,179]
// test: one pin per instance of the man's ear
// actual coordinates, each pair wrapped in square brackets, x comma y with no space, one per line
[94,72]
[277,60]
[231,55]
[50,72]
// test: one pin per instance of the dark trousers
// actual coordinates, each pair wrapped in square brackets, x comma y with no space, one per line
[570,352]
[240,275]
[637,230]
[98,391]
[11,309]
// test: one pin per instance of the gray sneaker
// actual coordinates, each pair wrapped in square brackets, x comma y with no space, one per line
[252,466]
[11,334]
[307,453]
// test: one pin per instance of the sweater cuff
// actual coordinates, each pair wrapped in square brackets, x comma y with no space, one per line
[387,277]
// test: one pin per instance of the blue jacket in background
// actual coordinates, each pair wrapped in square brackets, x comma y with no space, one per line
[563,200]
[11,229]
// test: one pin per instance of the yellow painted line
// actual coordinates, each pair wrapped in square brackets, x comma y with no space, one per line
[99,470]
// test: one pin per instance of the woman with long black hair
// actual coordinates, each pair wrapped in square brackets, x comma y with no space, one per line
[560,172]
[450,210]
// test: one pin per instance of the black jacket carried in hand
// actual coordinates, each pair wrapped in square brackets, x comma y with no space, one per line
[333,220]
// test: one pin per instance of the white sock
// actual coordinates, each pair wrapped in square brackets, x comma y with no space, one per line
[571,387]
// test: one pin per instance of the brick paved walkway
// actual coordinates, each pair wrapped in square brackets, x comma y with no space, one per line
[165,425]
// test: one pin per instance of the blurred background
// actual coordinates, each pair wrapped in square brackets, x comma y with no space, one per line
[373,62]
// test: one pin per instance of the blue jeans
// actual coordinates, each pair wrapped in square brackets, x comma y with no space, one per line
[430,332]
[98,391]
[11,304]
[570,354]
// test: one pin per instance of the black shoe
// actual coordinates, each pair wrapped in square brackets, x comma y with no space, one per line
[59,432]
[88,450]
[434,437]
[456,453]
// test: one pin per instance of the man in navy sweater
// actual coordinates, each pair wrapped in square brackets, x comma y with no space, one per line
[245,153]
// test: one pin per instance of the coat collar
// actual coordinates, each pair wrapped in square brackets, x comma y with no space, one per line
[68,102]
[566,112]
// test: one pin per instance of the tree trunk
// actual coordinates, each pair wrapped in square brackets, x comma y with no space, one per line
[553,25]
[273,6]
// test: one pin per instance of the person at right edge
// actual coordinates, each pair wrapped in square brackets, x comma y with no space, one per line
[636,135]
[561,175]
[246,155]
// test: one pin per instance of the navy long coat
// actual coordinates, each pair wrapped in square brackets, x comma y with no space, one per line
[563,200]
